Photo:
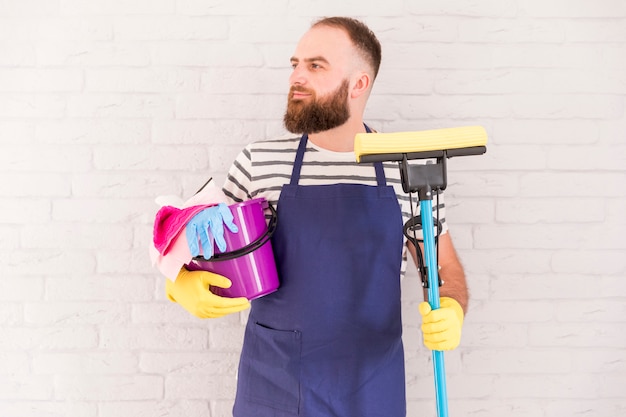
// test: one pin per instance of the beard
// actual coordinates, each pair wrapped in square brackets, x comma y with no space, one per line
[320,114]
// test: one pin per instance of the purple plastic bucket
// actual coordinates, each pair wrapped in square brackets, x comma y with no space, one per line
[249,262]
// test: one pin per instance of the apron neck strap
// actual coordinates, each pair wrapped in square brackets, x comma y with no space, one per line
[297,165]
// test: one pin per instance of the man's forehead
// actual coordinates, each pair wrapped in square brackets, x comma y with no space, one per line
[323,42]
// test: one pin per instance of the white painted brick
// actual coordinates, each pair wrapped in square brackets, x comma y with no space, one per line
[171,338]
[102,211]
[587,407]
[50,262]
[13,132]
[520,407]
[9,237]
[142,80]
[439,56]
[541,286]
[565,107]
[470,210]
[596,31]
[598,361]
[76,235]
[22,158]
[415,29]
[613,131]
[404,82]
[588,158]
[513,312]
[23,289]
[612,286]
[34,186]
[41,80]
[93,132]
[516,361]
[130,288]
[154,408]
[17,54]
[547,210]
[505,261]
[15,363]
[24,210]
[576,8]
[611,387]
[107,184]
[86,54]
[226,8]
[544,132]
[206,132]
[604,311]
[193,106]
[551,56]
[189,363]
[48,409]
[204,54]
[70,313]
[48,338]
[97,363]
[457,8]
[108,388]
[142,157]
[225,337]
[511,30]
[593,262]
[273,29]
[77,7]
[32,105]
[577,335]
[10,313]
[480,184]
[120,106]
[163,312]
[170,28]
[197,387]
[493,336]
[28,7]
[578,184]
[26,387]
[521,236]
[123,262]
[56,28]
[219,81]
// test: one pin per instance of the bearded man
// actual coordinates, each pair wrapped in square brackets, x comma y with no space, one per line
[328,342]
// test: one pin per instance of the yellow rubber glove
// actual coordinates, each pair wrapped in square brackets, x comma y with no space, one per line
[191,291]
[442,327]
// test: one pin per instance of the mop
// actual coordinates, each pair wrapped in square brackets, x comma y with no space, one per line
[425,179]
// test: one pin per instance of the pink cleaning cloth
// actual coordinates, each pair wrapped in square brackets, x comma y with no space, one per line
[169,236]
[169,222]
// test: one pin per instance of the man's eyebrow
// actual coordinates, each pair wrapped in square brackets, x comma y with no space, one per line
[313,59]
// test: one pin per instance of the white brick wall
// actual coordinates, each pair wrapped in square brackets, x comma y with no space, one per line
[106,104]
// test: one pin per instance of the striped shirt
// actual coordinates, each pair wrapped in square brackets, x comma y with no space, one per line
[263,167]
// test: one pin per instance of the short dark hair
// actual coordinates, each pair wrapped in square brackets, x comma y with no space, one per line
[362,36]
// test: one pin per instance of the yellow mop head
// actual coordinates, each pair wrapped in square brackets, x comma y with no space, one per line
[426,140]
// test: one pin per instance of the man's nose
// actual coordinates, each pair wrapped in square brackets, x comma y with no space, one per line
[297,76]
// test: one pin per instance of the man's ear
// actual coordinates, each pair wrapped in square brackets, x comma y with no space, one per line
[362,85]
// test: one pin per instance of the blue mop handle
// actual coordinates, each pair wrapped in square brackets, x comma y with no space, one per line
[430,260]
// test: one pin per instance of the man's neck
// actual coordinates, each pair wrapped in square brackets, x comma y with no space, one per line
[339,139]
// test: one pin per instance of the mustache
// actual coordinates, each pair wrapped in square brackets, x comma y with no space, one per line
[299,89]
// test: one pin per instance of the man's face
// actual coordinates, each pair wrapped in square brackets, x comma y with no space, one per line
[319,94]
[316,114]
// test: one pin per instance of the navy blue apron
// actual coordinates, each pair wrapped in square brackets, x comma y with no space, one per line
[329,341]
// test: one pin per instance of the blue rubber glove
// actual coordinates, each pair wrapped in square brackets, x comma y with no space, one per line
[208,226]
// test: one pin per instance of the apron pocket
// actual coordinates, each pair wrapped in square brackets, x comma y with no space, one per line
[271,368]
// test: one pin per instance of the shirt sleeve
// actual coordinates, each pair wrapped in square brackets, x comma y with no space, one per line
[238,184]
